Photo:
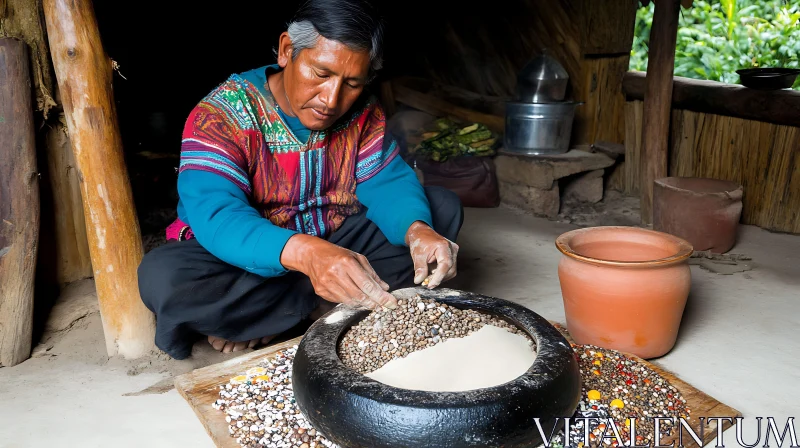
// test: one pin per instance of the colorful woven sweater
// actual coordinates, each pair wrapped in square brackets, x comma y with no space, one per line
[247,183]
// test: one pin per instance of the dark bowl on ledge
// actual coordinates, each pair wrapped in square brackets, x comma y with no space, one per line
[766,78]
[353,410]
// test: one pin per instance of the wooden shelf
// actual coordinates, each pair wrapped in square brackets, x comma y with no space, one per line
[733,100]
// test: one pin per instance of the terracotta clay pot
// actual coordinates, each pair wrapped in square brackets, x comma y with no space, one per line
[704,212]
[624,288]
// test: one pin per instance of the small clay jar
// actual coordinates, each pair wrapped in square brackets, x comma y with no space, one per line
[624,288]
[705,212]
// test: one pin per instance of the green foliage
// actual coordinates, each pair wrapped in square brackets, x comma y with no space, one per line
[718,37]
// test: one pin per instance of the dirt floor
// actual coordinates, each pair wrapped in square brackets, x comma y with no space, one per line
[737,341]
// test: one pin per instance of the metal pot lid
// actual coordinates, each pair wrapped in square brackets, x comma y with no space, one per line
[542,68]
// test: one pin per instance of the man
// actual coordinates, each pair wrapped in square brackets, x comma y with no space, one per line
[292,198]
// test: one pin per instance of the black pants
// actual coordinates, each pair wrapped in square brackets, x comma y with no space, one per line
[194,293]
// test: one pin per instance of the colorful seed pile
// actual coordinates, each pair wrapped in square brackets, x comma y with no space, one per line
[598,413]
[624,389]
[261,409]
[414,325]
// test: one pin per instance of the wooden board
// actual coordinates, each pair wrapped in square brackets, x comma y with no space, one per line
[733,100]
[201,388]
[701,404]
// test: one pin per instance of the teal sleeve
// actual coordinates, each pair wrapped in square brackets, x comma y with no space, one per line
[225,223]
[395,199]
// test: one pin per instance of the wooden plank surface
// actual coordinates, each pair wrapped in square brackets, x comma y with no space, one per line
[778,107]
[200,388]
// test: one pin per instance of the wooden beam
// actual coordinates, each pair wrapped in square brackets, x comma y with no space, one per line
[658,100]
[84,76]
[732,100]
[19,204]
[437,106]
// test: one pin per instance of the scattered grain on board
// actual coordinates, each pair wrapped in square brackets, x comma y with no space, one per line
[261,411]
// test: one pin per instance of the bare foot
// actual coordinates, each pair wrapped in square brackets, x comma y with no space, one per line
[226,346]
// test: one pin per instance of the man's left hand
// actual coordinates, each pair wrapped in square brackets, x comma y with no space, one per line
[431,250]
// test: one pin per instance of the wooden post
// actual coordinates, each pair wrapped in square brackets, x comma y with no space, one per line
[658,101]
[84,76]
[19,204]
[21,19]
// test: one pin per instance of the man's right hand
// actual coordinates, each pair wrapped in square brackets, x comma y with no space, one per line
[337,274]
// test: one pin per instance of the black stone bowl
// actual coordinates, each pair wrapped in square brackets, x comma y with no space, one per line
[768,78]
[353,410]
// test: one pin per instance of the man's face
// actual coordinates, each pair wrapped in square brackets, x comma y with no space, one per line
[322,82]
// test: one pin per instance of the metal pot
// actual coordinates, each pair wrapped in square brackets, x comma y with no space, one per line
[542,80]
[539,129]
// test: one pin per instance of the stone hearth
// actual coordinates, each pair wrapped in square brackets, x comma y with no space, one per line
[539,183]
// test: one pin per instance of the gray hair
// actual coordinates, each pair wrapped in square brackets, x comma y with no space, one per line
[304,35]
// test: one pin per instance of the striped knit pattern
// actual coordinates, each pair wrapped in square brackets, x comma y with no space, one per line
[237,133]
[207,157]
